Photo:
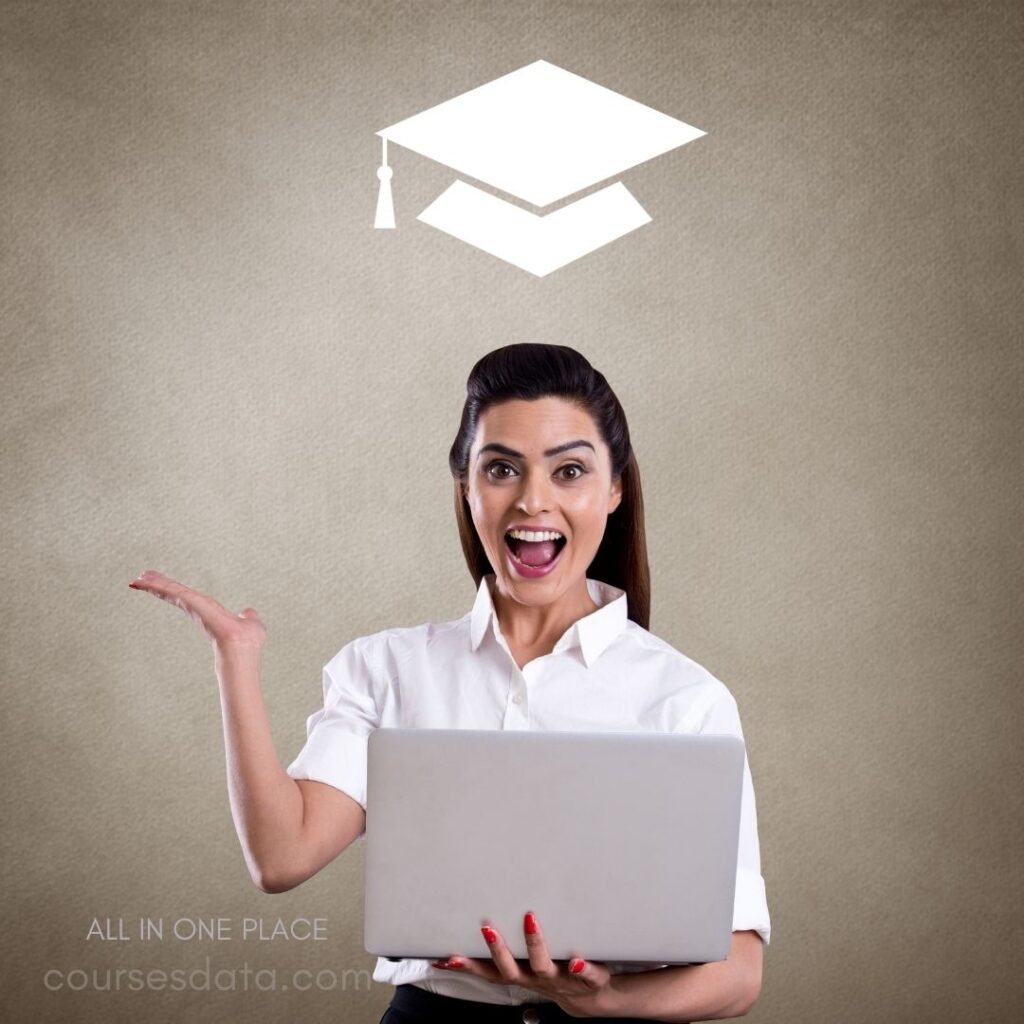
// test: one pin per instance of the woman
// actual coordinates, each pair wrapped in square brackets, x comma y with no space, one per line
[550,515]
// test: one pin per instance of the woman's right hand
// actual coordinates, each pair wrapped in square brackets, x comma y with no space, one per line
[289,829]
[225,630]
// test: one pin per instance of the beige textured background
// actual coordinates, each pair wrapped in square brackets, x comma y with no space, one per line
[213,366]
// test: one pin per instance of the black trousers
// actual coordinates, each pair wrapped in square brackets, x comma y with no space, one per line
[412,1005]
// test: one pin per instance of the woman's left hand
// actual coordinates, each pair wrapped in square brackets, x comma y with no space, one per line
[578,986]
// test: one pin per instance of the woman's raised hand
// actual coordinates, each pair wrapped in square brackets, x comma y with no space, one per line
[289,829]
[226,630]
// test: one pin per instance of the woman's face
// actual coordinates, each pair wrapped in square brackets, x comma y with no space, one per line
[540,465]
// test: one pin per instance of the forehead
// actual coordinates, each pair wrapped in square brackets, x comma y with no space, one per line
[532,426]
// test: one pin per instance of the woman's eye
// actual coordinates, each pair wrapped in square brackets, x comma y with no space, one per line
[496,470]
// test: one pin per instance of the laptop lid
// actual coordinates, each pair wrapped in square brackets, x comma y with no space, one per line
[624,844]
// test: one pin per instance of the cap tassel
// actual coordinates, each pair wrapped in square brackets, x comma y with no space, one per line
[385,206]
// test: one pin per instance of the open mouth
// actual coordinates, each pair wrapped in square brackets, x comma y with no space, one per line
[534,554]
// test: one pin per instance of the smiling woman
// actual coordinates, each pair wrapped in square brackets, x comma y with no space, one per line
[550,516]
[536,508]
[541,427]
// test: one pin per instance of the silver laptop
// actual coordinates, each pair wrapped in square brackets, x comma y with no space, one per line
[624,844]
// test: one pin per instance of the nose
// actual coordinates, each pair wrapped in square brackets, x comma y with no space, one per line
[534,494]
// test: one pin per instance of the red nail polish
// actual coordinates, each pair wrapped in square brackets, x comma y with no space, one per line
[530,923]
[490,935]
[456,963]
[576,966]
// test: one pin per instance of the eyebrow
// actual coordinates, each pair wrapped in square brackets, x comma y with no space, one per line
[558,449]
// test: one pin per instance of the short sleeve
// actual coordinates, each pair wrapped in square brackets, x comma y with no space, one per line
[336,735]
[750,911]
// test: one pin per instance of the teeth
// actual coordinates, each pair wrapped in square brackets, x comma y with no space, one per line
[534,534]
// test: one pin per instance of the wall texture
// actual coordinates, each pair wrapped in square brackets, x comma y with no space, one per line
[213,366]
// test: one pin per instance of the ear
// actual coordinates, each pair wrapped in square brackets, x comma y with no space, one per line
[615,495]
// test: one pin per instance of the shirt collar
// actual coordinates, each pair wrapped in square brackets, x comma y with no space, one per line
[593,633]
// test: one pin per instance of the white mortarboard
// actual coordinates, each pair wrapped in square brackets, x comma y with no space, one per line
[539,134]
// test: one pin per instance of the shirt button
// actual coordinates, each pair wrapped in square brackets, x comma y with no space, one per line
[531,1016]
[518,700]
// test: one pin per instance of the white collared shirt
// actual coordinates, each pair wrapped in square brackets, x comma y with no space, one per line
[605,673]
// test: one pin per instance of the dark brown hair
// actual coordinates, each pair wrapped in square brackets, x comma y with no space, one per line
[529,371]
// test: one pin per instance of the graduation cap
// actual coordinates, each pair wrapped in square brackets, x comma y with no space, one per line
[539,134]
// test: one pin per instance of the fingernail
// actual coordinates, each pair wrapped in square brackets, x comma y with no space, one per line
[490,935]
[576,966]
[530,923]
[450,962]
